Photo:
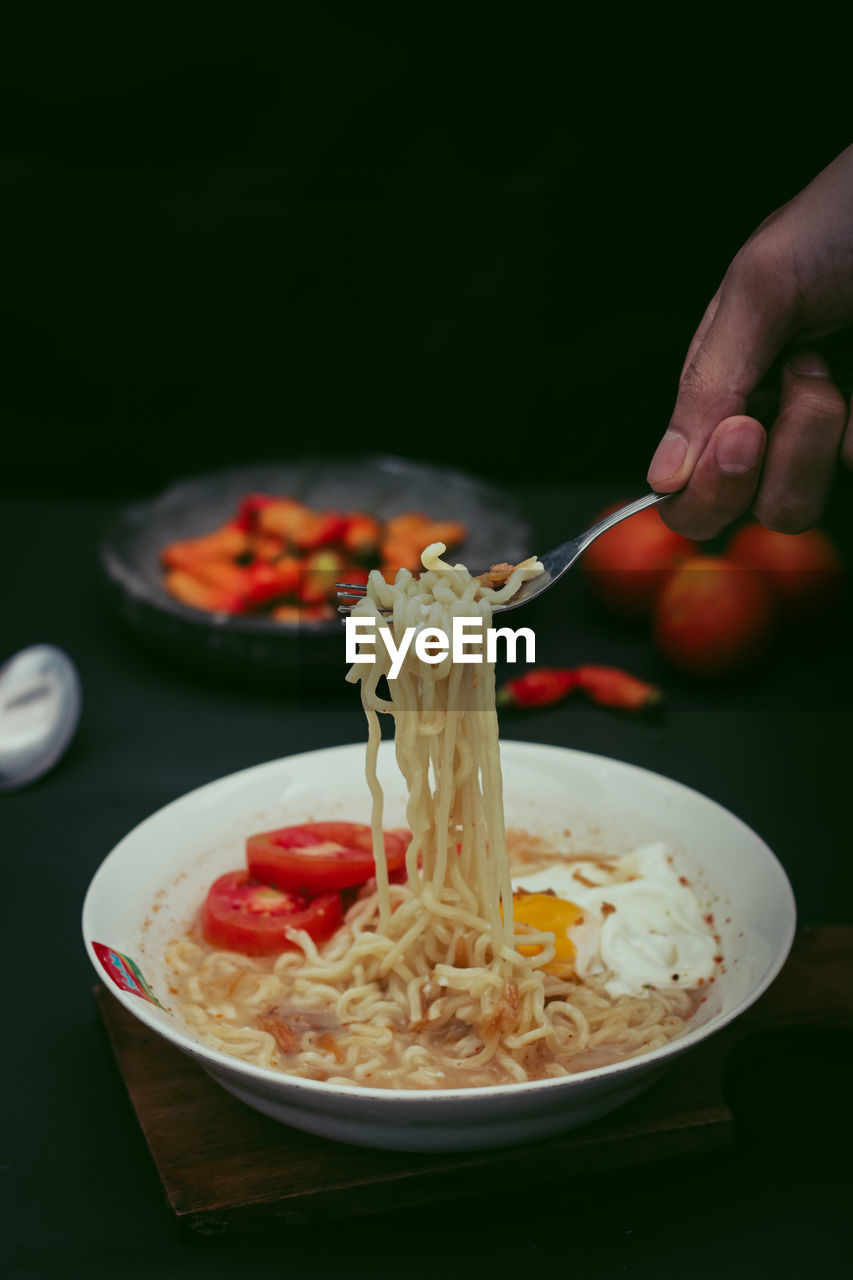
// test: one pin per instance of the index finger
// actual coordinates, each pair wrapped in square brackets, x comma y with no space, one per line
[742,331]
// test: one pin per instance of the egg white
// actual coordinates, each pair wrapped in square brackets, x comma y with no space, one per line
[654,937]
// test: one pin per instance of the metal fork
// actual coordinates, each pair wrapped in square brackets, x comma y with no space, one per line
[555,563]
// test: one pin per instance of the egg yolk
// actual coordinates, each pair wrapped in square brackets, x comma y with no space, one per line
[549,914]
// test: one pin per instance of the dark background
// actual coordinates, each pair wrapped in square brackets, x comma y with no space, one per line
[237,232]
[241,232]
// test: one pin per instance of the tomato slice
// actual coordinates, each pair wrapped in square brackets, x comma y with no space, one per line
[242,914]
[317,857]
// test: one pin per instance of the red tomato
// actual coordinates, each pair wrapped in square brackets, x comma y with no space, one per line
[803,570]
[319,856]
[712,617]
[627,566]
[240,914]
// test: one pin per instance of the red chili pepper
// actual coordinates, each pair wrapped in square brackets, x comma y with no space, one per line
[606,686]
[610,687]
[247,513]
[272,580]
[537,688]
[318,529]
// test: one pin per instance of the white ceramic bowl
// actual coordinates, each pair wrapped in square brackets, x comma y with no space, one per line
[147,889]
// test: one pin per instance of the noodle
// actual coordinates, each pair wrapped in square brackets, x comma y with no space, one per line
[423,986]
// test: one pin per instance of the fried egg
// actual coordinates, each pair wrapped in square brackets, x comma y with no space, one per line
[630,922]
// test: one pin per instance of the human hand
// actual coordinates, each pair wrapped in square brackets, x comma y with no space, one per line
[788,287]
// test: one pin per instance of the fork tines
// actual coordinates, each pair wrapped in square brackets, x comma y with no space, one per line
[353,592]
[348,608]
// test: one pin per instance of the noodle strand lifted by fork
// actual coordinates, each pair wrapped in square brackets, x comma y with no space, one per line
[446,741]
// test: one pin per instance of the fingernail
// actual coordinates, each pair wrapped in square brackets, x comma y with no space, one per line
[740,448]
[668,457]
[808,364]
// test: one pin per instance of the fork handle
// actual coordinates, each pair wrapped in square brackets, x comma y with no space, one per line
[648,500]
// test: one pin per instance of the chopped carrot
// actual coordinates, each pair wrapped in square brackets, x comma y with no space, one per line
[197,594]
[224,542]
[282,517]
[361,535]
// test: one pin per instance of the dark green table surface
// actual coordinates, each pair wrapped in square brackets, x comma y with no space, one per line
[81,1191]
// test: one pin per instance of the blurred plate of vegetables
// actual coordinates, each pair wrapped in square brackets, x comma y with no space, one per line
[235,570]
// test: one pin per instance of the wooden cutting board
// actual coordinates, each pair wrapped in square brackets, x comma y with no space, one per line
[226,1167]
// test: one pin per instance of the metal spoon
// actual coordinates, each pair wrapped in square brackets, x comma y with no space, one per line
[40,701]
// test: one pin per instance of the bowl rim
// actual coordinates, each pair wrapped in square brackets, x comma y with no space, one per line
[215,1059]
